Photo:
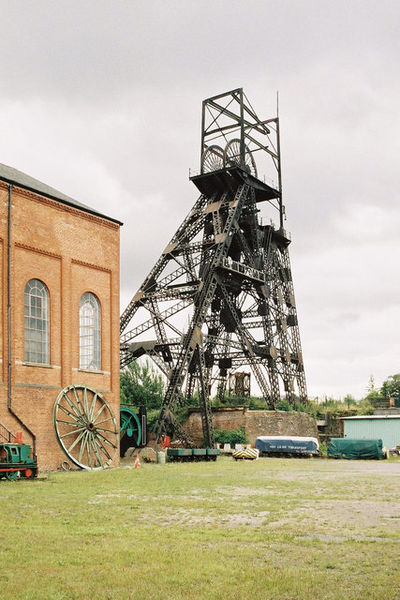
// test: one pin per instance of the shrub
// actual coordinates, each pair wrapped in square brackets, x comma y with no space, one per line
[323,449]
[365,407]
[152,416]
[257,403]
[141,385]
[230,436]
[284,405]
[231,401]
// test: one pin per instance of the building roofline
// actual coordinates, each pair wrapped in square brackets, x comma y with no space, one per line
[372,417]
[16,177]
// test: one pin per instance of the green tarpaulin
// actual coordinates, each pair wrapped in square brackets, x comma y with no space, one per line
[350,448]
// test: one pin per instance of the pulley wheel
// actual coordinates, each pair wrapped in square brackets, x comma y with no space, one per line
[212,159]
[85,427]
[232,157]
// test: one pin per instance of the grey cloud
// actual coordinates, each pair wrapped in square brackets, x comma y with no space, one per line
[102,100]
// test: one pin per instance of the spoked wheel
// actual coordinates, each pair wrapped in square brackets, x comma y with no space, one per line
[232,157]
[212,159]
[85,427]
[12,475]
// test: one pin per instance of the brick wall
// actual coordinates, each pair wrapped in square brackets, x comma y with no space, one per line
[255,423]
[71,252]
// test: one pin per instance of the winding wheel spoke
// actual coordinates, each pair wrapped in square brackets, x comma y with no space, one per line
[73,415]
[78,403]
[71,423]
[101,422]
[99,413]
[103,449]
[106,440]
[104,430]
[91,412]
[82,448]
[80,436]
[95,446]
[68,433]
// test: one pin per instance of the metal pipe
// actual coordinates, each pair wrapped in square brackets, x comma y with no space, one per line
[278,147]
[9,322]
[203,121]
[242,146]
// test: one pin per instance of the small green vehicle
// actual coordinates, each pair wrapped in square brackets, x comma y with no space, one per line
[17,461]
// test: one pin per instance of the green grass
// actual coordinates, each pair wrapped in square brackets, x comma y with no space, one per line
[270,529]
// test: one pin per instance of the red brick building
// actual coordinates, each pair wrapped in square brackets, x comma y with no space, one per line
[59,300]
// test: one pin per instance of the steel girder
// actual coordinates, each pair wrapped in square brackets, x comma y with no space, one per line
[240,312]
[223,285]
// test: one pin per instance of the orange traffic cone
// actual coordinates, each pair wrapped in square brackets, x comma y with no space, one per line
[137,462]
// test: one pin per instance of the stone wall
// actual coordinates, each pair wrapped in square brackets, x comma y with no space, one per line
[331,426]
[254,423]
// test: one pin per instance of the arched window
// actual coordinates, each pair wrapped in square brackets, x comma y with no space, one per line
[36,316]
[89,333]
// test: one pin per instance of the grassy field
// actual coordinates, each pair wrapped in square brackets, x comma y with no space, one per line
[270,529]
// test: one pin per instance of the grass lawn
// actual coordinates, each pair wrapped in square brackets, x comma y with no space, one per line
[282,529]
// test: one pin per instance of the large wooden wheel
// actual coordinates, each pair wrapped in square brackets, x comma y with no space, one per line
[232,157]
[85,427]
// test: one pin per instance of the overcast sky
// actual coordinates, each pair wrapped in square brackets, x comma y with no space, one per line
[102,100]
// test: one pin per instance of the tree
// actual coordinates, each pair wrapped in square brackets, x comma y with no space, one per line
[365,407]
[349,400]
[141,385]
[375,398]
[372,399]
[371,385]
[391,387]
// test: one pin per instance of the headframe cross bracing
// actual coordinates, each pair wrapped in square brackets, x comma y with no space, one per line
[220,297]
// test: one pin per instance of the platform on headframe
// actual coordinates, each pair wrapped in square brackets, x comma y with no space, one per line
[231,178]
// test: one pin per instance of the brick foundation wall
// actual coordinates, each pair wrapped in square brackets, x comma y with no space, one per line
[71,252]
[254,423]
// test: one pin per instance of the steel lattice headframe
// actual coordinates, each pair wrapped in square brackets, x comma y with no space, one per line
[221,294]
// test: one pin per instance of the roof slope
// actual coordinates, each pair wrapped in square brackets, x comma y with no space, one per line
[21,179]
[366,417]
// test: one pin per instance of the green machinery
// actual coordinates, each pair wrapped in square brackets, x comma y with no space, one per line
[133,429]
[17,460]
